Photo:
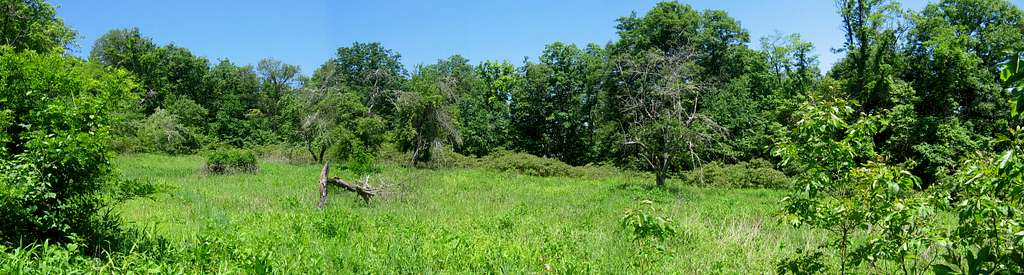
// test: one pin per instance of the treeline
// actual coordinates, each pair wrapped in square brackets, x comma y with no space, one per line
[680,87]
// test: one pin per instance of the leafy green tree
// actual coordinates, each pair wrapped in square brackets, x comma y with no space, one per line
[428,113]
[161,70]
[237,117]
[486,113]
[278,80]
[33,25]
[164,132]
[554,113]
[953,48]
[989,198]
[713,35]
[333,117]
[371,71]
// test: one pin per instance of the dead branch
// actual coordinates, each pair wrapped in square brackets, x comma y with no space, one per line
[364,191]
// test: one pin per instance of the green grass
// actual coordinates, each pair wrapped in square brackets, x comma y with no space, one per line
[458,221]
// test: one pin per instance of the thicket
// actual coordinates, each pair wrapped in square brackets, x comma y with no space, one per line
[55,166]
[223,161]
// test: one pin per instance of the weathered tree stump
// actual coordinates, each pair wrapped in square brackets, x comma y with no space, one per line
[364,191]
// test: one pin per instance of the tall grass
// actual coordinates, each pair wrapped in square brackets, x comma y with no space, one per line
[449,220]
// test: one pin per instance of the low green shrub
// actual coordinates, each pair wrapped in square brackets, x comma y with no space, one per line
[230,161]
[527,164]
[757,173]
[645,222]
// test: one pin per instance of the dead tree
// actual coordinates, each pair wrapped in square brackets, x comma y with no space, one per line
[364,191]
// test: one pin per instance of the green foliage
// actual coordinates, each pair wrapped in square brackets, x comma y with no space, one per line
[428,114]
[757,173]
[645,223]
[225,161]
[527,164]
[33,25]
[370,71]
[803,263]
[163,132]
[989,193]
[846,188]
[53,147]
[553,112]
[486,112]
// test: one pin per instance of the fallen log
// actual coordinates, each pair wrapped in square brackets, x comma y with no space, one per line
[364,191]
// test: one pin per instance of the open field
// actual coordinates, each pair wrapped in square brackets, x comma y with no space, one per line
[457,221]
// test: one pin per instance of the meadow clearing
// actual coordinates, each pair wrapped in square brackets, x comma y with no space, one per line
[456,220]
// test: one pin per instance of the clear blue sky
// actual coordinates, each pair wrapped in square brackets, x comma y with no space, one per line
[307,33]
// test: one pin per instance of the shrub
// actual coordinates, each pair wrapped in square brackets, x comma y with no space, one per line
[54,155]
[645,223]
[757,173]
[225,161]
[162,131]
[527,164]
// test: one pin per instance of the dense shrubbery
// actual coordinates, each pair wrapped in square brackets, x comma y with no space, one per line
[527,164]
[54,160]
[757,173]
[223,161]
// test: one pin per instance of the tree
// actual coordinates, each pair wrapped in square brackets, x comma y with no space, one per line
[428,113]
[277,79]
[660,102]
[870,209]
[33,25]
[554,112]
[237,117]
[712,35]
[333,117]
[371,71]
[161,70]
[486,114]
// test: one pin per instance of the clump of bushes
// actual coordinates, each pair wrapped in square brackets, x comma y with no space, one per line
[224,161]
[527,164]
[757,173]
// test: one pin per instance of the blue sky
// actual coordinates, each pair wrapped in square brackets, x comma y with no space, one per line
[307,33]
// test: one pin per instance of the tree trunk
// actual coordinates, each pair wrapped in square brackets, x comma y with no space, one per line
[309,147]
[323,151]
[660,175]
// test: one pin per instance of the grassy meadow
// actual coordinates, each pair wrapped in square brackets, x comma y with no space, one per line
[454,221]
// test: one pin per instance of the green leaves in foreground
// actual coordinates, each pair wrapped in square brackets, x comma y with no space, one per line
[847,189]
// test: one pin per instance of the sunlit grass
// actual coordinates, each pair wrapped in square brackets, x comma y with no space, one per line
[459,220]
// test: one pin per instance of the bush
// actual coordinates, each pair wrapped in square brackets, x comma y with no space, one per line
[55,117]
[162,131]
[527,164]
[757,173]
[225,161]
